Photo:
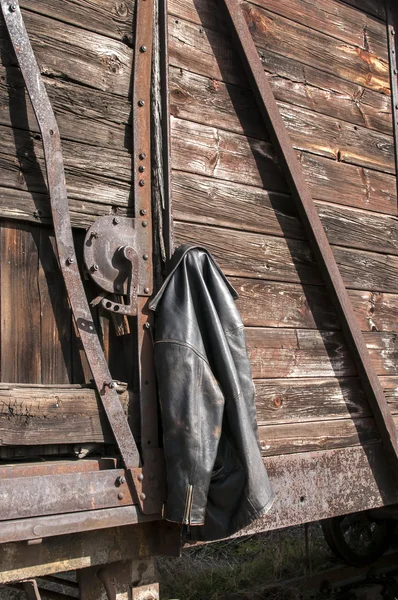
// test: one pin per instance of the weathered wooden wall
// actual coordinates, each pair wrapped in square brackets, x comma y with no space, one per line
[327,63]
[328,66]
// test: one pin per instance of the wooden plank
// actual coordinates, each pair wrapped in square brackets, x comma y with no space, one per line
[314,133]
[54,415]
[259,256]
[211,52]
[316,435]
[224,155]
[35,207]
[108,17]
[329,17]
[20,315]
[83,114]
[209,201]
[316,399]
[79,159]
[55,314]
[317,485]
[86,549]
[307,353]
[232,107]
[273,304]
[67,52]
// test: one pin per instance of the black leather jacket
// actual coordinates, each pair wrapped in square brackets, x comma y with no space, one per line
[216,478]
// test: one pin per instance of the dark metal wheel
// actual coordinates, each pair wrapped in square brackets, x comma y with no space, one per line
[358,539]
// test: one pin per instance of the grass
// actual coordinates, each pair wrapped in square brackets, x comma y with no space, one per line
[242,568]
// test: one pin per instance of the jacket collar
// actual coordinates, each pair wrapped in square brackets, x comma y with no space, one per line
[175,261]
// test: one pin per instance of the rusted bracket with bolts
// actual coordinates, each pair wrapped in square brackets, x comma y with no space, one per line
[64,240]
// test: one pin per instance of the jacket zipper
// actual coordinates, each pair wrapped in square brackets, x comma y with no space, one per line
[188,505]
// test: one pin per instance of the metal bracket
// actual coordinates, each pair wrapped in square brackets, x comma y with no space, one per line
[392,39]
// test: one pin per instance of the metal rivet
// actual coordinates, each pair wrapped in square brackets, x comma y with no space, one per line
[143,49]
[144,223]
[141,169]
[118,286]
[141,182]
[120,480]
[392,31]
[395,71]
[141,102]
[70,260]
[145,257]
[51,132]
[146,290]
[112,385]
[140,477]
[120,495]
[142,211]
[147,325]
[142,496]
[116,220]
[13,7]
[95,267]
[142,156]
[56,405]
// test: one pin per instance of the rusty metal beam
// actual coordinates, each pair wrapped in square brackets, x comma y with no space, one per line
[64,238]
[313,226]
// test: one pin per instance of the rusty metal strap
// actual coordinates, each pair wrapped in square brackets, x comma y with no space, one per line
[313,226]
[63,233]
[392,41]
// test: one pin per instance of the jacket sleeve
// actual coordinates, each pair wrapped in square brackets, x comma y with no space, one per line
[192,407]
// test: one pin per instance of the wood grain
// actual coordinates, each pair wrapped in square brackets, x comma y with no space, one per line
[329,17]
[54,415]
[312,353]
[208,51]
[67,52]
[20,304]
[216,202]
[273,304]
[225,155]
[259,256]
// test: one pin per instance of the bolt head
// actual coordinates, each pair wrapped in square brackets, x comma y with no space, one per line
[118,286]
[147,325]
[141,169]
[140,477]
[95,267]
[120,495]
[12,7]
[70,260]
[145,257]
[112,385]
[392,31]
[116,221]
[142,48]
[145,223]
[142,211]
[141,103]
[141,183]
[142,156]
[142,496]
[146,291]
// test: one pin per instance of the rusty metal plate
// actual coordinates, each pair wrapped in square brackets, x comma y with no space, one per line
[23,497]
[102,255]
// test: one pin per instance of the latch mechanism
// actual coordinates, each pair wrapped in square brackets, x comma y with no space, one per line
[116,255]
